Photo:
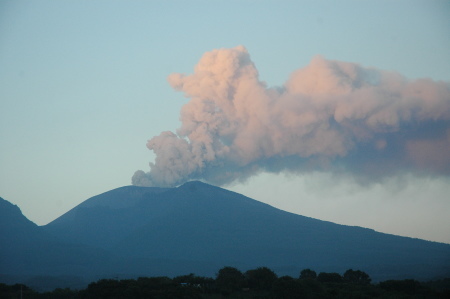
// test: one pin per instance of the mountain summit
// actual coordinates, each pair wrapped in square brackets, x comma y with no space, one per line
[199,228]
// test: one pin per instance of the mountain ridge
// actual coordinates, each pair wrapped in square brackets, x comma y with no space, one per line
[199,228]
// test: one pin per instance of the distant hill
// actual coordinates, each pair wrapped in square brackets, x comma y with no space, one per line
[136,231]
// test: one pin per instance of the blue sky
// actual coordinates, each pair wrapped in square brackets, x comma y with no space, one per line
[84,86]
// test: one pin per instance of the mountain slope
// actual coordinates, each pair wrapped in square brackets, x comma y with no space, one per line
[26,249]
[103,220]
[203,225]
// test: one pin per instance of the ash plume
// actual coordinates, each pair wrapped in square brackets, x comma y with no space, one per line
[329,116]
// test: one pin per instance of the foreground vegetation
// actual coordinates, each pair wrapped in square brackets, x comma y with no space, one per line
[257,283]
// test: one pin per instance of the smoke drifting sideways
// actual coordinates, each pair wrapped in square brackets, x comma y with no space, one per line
[329,116]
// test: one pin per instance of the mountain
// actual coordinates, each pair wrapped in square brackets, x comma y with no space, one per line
[209,227]
[198,228]
[27,251]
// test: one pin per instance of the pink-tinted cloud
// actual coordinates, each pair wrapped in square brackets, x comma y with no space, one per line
[330,115]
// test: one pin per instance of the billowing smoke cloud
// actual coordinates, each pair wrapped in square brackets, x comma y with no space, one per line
[329,116]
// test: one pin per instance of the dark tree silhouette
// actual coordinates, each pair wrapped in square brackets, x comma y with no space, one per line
[288,287]
[329,277]
[261,278]
[229,279]
[406,286]
[308,274]
[356,277]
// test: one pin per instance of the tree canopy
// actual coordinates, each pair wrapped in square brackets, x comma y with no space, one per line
[230,282]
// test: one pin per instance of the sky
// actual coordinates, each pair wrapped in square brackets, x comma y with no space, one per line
[88,88]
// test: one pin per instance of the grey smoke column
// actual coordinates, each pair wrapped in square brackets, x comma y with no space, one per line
[329,116]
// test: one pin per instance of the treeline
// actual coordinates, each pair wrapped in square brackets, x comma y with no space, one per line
[232,283]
